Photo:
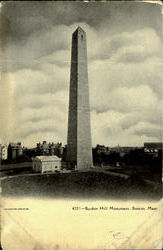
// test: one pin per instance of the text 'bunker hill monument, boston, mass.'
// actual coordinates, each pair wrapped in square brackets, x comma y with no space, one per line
[79,148]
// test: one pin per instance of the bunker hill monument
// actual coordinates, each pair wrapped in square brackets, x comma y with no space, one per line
[79,148]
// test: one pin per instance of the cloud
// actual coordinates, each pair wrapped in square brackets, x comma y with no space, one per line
[111,132]
[60,58]
[49,119]
[125,99]
[141,45]
[36,101]
[146,129]
[53,44]
[49,79]
[105,76]
[131,46]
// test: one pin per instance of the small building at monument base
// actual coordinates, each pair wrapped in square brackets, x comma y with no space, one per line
[44,164]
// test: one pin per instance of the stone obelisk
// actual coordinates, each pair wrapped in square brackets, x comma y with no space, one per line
[79,148]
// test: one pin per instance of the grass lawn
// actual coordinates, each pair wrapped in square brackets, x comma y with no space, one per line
[141,171]
[86,185]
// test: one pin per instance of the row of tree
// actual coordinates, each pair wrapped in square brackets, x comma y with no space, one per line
[135,157]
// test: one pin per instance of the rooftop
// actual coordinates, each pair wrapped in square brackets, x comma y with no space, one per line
[48,157]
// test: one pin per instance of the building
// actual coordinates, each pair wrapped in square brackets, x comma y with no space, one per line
[79,149]
[3,152]
[14,150]
[101,149]
[45,148]
[42,164]
[153,148]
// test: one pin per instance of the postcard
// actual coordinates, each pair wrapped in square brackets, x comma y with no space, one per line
[80,125]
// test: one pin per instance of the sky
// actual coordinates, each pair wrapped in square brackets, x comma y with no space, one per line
[124,69]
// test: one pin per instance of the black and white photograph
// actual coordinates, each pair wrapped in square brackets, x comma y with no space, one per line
[81,124]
